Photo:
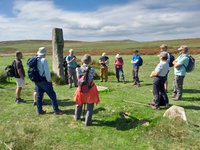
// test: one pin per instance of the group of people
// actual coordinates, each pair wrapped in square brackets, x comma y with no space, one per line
[83,78]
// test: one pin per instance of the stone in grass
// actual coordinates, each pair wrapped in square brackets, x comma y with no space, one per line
[176,112]
[102,88]
[144,122]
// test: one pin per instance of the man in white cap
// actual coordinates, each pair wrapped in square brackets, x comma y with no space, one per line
[180,71]
[104,62]
[159,75]
[45,85]
[71,68]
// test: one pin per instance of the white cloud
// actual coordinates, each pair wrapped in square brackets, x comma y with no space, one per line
[137,20]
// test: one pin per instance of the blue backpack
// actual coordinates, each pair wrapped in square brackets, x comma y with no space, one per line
[140,62]
[191,64]
[33,72]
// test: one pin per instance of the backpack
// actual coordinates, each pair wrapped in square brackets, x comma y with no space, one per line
[64,62]
[191,64]
[83,83]
[172,58]
[10,70]
[140,61]
[33,72]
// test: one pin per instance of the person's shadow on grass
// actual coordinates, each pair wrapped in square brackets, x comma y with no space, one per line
[123,122]
[191,91]
[191,107]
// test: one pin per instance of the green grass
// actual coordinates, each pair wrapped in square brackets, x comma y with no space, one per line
[33,45]
[21,128]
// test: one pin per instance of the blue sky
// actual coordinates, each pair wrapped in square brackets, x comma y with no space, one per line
[91,20]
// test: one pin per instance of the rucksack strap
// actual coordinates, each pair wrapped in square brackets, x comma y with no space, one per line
[37,65]
[87,73]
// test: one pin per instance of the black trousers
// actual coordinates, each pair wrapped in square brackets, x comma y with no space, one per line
[159,89]
[135,75]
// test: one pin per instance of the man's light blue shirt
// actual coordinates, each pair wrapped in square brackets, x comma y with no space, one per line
[183,61]
[43,68]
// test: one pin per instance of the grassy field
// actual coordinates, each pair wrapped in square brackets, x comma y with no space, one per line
[22,129]
[123,47]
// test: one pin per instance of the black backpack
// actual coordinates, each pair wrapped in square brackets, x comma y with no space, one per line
[33,72]
[172,58]
[11,70]
[83,82]
[64,62]
[191,64]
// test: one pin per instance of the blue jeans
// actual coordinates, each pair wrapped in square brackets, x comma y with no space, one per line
[118,72]
[47,87]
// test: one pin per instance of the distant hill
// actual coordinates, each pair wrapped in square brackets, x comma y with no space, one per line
[97,47]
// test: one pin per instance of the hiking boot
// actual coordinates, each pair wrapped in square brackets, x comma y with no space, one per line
[134,83]
[59,112]
[70,86]
[19,100]
[42,112]
[22,100]
[138,85]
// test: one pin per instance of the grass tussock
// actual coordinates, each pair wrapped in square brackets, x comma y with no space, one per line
[57,80]
[3,77]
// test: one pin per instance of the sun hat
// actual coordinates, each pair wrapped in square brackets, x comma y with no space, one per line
[117,56]
[41,51]
[183,47]
[103,54]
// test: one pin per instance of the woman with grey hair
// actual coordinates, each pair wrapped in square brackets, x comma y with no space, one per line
[86,92]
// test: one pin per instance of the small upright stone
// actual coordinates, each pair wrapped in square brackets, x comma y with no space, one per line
[175,112]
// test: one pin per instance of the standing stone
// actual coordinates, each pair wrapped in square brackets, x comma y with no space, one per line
[58,44]
[175,112]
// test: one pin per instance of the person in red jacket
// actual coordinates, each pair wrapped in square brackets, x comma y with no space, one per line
[119,68]
[89,96]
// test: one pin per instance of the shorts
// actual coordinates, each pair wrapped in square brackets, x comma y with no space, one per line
[20,82]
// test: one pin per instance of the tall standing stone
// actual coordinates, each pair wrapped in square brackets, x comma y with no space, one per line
[58,44]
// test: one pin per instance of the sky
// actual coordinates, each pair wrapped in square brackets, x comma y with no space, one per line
[94,20]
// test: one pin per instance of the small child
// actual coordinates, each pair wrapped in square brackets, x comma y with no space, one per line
[160,77]
[89,96]
[119,67]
